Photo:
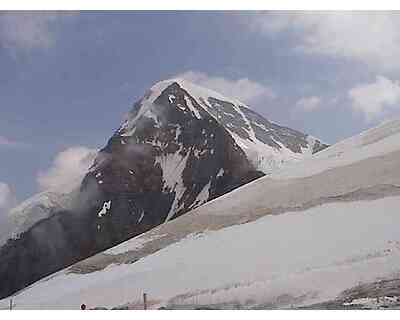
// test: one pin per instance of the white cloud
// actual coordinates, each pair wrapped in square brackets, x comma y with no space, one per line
[26,31]
[7,197]
[67,169]
[243,89]
[8,201]
[370,37]
[375,98]
[308,104]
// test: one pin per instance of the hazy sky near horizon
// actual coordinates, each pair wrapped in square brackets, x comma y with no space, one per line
[67,79]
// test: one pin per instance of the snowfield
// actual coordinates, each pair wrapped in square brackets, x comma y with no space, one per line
[311,256]
[374,142]
[297,237]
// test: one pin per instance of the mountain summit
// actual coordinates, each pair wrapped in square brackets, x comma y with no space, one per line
[180,146]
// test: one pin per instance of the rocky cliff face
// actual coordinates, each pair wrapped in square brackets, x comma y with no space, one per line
[180,146]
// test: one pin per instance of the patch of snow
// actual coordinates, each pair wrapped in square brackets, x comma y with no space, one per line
[178,132]
[192,107]
[203,196]
[181,107]
[220,172]
[171,98]
[141,217]
[104,209]
[173,165]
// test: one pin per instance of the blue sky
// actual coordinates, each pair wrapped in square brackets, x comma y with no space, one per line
[67,79]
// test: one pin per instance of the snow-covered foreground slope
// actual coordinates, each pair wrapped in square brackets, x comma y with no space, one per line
[377,141]
[313,230]
[310,256]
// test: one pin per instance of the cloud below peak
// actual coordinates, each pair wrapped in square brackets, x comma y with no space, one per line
[8,200]
[67,169]
[7,197]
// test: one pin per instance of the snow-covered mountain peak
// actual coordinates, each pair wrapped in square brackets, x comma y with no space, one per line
[266,144]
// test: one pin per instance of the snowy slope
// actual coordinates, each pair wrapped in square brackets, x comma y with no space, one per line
[313,231]
[321,252]
[374,142]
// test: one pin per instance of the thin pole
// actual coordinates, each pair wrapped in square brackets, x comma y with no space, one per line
[11,304]
[145,301]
